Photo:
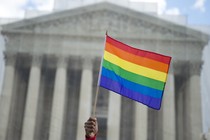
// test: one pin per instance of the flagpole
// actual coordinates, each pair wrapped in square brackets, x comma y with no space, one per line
[95,102]
[97,87]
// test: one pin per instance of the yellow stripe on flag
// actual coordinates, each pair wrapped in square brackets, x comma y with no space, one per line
[131,67]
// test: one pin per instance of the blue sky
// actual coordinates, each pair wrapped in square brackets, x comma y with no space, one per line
[197,11]
[198,16]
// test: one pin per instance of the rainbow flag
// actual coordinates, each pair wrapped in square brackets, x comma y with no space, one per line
[136,74]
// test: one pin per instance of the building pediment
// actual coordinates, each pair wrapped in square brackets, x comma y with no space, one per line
[94,20]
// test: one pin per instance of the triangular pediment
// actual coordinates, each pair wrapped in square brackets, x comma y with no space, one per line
[96,19]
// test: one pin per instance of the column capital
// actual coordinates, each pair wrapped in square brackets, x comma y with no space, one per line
[36,60]
[10,58]
[195,68]
[62,61]
[87,63]
[187,67]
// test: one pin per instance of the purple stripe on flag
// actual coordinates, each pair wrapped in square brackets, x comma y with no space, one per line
[118,88]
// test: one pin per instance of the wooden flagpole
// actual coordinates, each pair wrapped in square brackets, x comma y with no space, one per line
[95,102]
[97,88]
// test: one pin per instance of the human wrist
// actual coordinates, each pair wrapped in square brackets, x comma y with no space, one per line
[90,135]
[91,138]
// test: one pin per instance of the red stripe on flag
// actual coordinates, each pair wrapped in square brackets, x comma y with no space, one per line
[138,52]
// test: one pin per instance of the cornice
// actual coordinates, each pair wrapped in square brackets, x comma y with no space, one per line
[106,16]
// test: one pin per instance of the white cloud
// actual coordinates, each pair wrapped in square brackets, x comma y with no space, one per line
[11,9]
[173,11]
[161,6]
[44,5]
[199,5]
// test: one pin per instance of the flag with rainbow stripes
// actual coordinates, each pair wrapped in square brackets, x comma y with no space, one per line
[136,74]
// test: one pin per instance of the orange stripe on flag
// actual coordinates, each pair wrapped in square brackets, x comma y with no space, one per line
[135,51]
[156,65]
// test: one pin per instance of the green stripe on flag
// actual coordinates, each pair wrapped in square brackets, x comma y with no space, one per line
[133,77]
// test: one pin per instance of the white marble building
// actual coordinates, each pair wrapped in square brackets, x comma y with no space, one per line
[51,70]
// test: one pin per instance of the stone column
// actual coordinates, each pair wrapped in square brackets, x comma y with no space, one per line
[168,108]
[180,130]
[114,114]
[194,101]
[141,113]
[29,122]
[85,100]
[57,114]
[7,93]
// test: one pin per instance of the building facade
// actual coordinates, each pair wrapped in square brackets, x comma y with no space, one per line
[51,73]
